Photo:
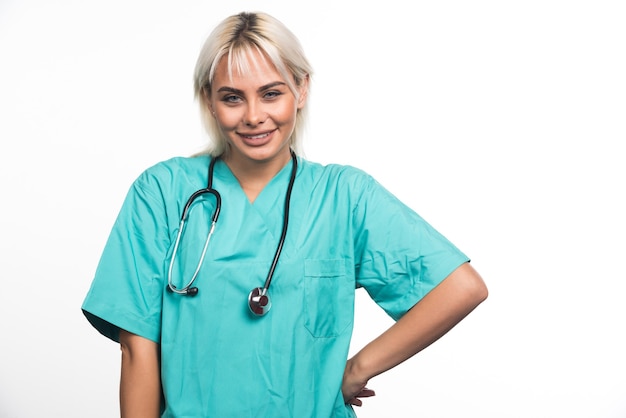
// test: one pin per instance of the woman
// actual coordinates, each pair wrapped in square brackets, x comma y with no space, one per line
[195,340]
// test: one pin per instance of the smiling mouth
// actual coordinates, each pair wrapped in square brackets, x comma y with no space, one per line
[259,136]
[256,136]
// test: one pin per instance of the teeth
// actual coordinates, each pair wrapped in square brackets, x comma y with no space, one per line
[256,136]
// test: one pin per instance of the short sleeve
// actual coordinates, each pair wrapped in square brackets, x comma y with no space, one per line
[399,257]
[126,291]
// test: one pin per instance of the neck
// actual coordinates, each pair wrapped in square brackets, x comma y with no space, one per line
[254,175]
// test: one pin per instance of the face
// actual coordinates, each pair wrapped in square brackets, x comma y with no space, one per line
[256,112]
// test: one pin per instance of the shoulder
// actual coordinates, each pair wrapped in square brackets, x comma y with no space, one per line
[340,176]
[174,173]
[176,166]
[352,186]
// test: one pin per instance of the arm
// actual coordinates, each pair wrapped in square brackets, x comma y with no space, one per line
[438,312]
[140,385]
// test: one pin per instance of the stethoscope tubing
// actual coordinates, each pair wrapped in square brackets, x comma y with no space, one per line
[188,289]
[183,219]
[283,235]
[181,227]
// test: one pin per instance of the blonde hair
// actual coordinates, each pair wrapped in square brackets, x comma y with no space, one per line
[236,38]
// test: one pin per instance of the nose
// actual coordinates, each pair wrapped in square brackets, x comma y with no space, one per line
[254,114]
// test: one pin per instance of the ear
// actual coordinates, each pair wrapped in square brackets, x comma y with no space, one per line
[206,98]
[304,91]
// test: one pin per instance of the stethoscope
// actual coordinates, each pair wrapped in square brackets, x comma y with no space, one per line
[259,300]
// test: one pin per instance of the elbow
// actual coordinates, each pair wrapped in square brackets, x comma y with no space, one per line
[471,285]
[477,290]
[481,293]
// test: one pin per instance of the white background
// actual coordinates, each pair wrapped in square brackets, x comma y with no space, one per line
[502,123]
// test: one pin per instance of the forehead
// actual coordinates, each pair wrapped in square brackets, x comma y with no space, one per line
[246,65]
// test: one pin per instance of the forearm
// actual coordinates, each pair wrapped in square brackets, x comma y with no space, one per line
[140,384]
[437,313]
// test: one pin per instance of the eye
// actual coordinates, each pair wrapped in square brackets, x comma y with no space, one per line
[272,94]
[231,99]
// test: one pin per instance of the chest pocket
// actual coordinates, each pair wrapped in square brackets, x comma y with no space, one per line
[329,297]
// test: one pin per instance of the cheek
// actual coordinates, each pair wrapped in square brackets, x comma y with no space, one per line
[288,113]
[227,120]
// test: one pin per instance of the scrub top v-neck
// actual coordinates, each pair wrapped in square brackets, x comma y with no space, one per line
[345,232]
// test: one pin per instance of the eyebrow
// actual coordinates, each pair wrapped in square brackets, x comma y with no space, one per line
[227,89]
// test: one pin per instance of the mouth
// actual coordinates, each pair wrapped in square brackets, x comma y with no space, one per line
[259,136]
[256,138]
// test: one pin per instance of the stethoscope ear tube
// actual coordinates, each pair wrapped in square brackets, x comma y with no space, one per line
[188,290]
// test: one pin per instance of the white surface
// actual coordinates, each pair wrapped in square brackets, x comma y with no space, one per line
[499,122]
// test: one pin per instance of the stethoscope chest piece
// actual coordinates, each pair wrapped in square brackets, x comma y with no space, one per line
[259,301]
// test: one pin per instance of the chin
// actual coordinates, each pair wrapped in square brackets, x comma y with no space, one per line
[262,154]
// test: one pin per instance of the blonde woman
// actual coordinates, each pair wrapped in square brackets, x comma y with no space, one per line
[229,277]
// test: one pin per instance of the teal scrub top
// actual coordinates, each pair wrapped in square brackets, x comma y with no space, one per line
[345,231]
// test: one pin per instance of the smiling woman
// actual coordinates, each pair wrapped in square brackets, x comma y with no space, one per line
[241,44]
[199,353]
[501,123]
[256,113]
